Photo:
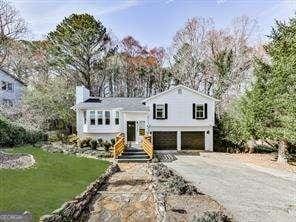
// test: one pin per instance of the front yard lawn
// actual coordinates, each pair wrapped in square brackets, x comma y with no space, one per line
[54,179]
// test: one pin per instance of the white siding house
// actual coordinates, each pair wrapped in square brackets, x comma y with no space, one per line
[11,89]
[179,118]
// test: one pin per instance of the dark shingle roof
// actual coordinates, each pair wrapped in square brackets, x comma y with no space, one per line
[126,104]
[14,77]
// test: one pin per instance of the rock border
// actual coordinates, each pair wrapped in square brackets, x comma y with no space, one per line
[21,161]
[73,209]
[184,187]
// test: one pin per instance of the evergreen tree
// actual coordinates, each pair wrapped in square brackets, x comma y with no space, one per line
[268,109]
[79,46]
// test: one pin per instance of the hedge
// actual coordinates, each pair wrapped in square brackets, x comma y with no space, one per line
[12,134]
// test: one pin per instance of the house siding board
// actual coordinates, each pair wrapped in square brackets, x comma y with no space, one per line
[180,109]
[18,88]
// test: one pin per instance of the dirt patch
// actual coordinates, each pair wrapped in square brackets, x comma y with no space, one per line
[264,160]
[181,200]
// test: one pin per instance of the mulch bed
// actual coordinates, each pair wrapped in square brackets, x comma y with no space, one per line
[15,161]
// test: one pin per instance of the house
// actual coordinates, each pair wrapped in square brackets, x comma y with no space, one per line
[11,89]
[178,119]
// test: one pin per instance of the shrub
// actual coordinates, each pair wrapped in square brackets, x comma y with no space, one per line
[106,145]
[264,149]
[93,144]
[73,139]
[84,142]
[100,142]
[112,141]
[213,217]
[12,134]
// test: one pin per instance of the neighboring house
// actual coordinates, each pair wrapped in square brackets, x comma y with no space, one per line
[179,118]
[11,89]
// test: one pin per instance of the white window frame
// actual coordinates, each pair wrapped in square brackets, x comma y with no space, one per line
[90,117]
[102,117]
[197,112]
[117,118]
[84,117]
[108,117]
[160,107]
[7,86]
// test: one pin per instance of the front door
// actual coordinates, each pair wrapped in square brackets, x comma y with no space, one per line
[131,131]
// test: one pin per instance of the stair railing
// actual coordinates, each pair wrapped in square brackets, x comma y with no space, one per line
[119,145]
[147,145]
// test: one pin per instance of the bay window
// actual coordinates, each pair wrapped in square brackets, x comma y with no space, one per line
[100,117]
[117,118]
[92,117]
[107,117]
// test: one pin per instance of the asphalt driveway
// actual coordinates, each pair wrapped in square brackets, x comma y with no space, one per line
[249,193]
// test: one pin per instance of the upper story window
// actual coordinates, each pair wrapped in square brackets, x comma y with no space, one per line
[6,86]
[107,117]
[160,111]
[92,117]
[117,118]
[199,111]
[100,117]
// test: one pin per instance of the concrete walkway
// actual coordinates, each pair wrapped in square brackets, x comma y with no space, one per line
[250,194]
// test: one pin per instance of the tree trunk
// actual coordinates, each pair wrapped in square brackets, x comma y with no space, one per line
[283,152]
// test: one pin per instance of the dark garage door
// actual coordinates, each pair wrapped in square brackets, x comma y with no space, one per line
[165,140]
[193,140]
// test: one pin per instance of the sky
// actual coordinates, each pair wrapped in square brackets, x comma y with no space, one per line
[152,22]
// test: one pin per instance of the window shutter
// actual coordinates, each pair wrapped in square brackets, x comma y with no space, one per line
[154,111]
[165,110]
[206,110]
[193,110]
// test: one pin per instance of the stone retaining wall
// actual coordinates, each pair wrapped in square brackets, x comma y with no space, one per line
[72,210]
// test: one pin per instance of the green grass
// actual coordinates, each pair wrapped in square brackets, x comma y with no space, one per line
[54,179]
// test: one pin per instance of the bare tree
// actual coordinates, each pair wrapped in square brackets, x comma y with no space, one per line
[212,61]
[12,27]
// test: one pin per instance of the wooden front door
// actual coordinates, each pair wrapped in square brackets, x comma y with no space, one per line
[131,131]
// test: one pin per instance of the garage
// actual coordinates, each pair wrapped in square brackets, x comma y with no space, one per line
[193,140]
[165,140]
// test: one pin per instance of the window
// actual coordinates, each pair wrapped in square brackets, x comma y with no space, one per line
[160,111]
[84,116]
[117,118]
[142,128]
[6,86]
[179,91]
[92,117]
[100,117]
[199,111]
[3,86]
[107,117]
[9,87]
[7,102]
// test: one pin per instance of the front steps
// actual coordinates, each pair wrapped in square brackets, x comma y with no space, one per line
[133,155]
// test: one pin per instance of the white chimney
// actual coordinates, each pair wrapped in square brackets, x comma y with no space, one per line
[82,94]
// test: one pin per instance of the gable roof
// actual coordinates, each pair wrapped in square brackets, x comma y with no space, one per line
[124,103]
[181,87]
[12,76]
